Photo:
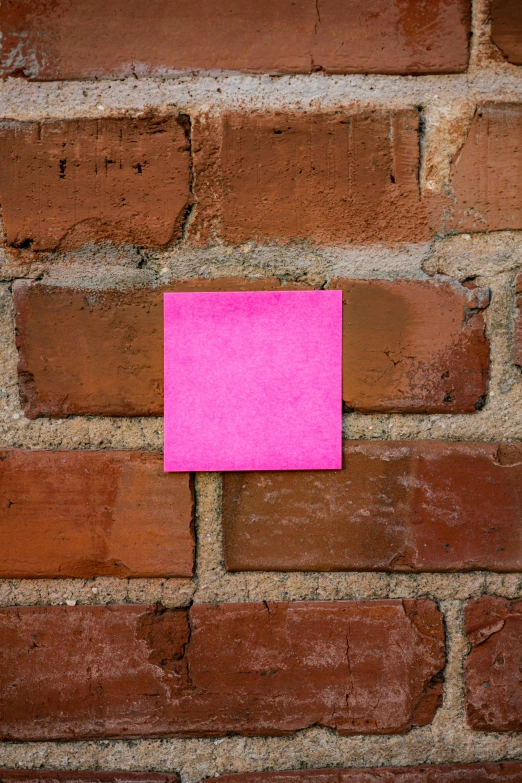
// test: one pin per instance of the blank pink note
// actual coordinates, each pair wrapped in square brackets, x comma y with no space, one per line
[253,380]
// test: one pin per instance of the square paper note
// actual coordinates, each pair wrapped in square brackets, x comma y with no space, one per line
[253,380]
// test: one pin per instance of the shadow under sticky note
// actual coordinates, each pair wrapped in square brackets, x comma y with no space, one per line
[253,380]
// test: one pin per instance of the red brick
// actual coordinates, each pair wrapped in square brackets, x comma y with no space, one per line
[98,352]
[517,343]
[493,693]
[504,772]
[93,513]
[413,346]
[506,28]
[251,669]
[486,173]
[59,776]
[68,40]
[395,506]
[409,346]
[333,178]
[67,182]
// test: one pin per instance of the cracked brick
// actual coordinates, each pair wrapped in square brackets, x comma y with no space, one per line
[125,671]
[67,40]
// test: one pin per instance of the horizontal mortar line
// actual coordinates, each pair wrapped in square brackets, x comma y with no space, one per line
[390,581]
[290,266]
[489,746]
[457,436]
[244,91]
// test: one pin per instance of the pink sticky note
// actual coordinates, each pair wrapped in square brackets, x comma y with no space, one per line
[253,380]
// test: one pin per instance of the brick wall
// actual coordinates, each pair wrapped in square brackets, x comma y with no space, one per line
[348,627]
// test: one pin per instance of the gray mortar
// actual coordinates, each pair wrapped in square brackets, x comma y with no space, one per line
[448,103]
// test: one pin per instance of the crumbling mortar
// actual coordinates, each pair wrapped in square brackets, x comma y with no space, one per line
[483,52]
[422,141]
[189,216]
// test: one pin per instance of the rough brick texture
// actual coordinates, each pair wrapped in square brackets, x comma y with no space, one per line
[66,182]
[372,147]
[507,772]
[261,669]
[97,352]
[413,345]
[395,506]
[93,513]
[506,28]
[408,346]
[331,177]
[517,343]
[59,776]
[69,40]
[493,693]
[486,173]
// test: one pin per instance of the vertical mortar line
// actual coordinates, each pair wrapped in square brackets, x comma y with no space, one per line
[209,563]
[9,360]
[499,326]
[480,40]
[456,653]
[189,217]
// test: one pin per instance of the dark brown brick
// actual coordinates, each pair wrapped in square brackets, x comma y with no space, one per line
[69,40]
[486,173]
[93,513]
[408,346]
[504,772]
[506,28]
[493,693]
[367,667]
[395,506]
[67,182]
[413,346]
[59,776]
[332,178]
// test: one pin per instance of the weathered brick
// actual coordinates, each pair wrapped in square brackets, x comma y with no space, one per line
[503,772]
[93,513]
[333,178]
[251,669]
[486,173]
[67,182]
[68,40]
[506,28]
[493,693]
[395,506]
[98,352]
[60,776]
[408,346]
[517,343]
[412,345]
